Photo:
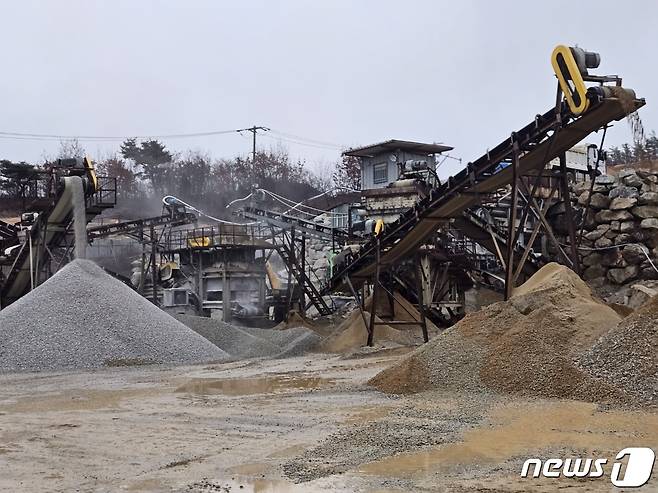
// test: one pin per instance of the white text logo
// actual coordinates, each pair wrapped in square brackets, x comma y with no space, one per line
[637,472]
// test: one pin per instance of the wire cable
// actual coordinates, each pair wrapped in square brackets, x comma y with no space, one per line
[642,247]
[109,138]
[168,199]
[290,203]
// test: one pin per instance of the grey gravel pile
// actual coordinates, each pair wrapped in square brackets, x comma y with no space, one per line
[249,342]
[83,318]
[627,356]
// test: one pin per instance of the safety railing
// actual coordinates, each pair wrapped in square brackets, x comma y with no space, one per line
[216,236]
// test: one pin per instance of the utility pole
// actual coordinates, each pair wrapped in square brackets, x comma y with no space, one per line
[253,130]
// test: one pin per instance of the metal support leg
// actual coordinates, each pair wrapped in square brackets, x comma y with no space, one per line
[302,297]
[356,297]
[568,212]
[154,272]
[375,294]
[509,264]
[421,298]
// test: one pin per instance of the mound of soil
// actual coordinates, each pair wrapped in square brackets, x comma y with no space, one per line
[526,345]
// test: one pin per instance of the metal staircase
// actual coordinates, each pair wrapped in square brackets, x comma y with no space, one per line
[287,252]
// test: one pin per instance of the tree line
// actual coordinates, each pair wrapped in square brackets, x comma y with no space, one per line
[149,169]
[639,152]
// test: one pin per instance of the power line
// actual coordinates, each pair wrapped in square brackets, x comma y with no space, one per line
[109,138]
[305,139]
[304,143]
[254,130]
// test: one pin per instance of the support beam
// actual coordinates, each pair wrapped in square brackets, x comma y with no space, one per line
[154,272]
[533,235]
[359,302]
[568,212]
[420,286]
[511,232]
[375,293]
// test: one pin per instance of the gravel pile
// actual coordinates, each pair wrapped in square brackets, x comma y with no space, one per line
[526,345]
[248,342]
[627,356]
[83,318]
[352,334]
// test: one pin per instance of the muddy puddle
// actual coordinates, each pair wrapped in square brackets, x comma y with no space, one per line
[250,386]
[522,430]
[75,400]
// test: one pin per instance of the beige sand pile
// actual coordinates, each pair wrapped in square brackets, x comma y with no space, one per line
[526,345]
[351,334]
[627,356]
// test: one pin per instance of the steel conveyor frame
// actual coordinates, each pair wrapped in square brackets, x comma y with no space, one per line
[546,138]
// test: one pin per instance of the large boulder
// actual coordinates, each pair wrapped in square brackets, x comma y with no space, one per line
[605,216]
[621,276]
[622,238]
[593,259]
[626,226]
[583,198]
[603,242]
[595,235]
[645,174]
[605,180]
[599,201]
[650,198]
[594,272]
[632,180]
[624,191]
[634,254]
[645,211]
[613,258]
[621,203]
[650,186]
[649,223]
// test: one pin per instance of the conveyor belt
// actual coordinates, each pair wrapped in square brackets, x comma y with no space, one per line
[50,229]
[286,222]
[537,146]
[132,227]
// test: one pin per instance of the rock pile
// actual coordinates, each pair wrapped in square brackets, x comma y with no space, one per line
[249,342]
[627,356]
[621,227]
[83,318]
[526,345]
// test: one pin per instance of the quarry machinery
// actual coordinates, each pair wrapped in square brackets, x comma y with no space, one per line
[519,162]
[44,238]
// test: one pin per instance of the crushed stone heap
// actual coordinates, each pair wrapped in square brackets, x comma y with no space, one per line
[526,345]
[83,318]
[250,342]
[627,356]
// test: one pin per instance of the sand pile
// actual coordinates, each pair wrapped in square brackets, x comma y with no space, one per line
[526,345]
[627,356]
[351,334]
[248,342]
[83,318]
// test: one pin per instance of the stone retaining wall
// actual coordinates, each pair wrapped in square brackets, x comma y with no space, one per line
[621,227]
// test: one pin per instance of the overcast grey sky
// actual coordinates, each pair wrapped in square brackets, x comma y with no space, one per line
[466,73]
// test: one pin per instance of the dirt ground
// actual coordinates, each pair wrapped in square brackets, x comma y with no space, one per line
[295,425]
